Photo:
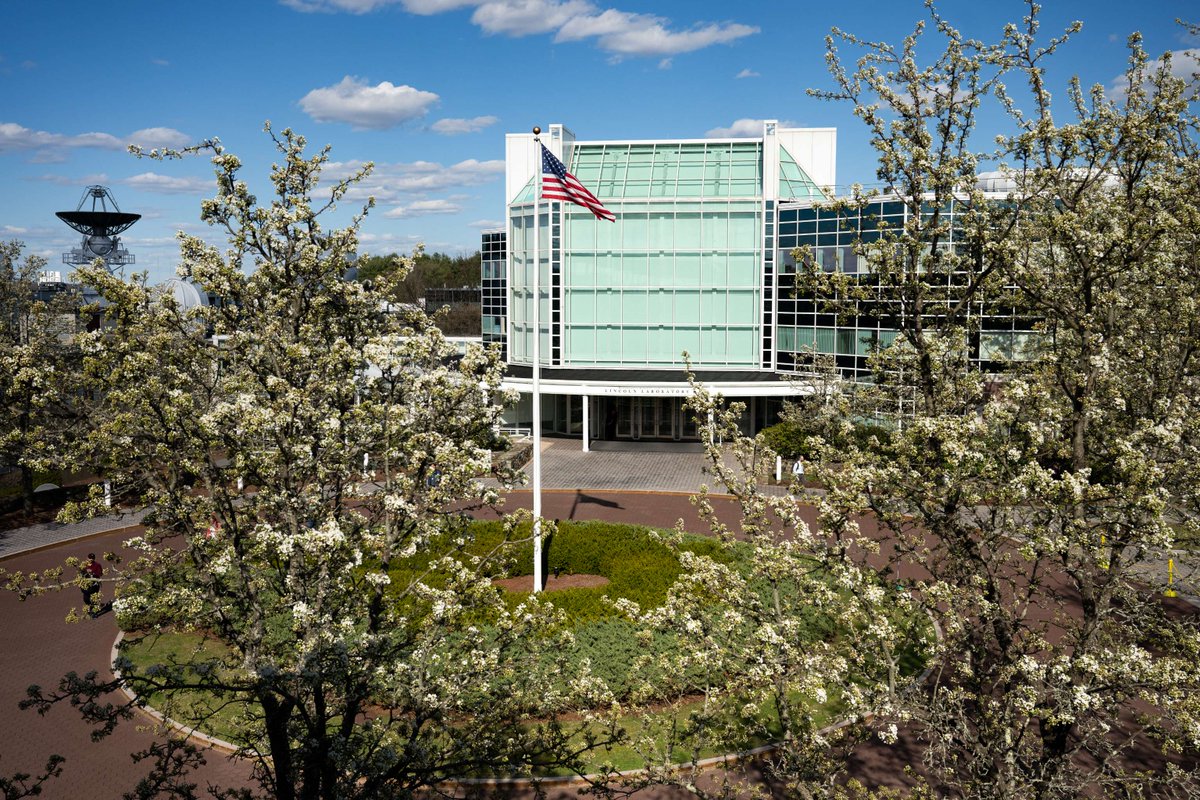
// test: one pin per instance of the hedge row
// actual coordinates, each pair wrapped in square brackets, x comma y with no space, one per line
[638,566]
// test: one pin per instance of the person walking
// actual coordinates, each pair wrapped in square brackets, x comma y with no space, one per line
[91,572]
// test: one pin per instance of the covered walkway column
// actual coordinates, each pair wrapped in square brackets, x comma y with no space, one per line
[587,419]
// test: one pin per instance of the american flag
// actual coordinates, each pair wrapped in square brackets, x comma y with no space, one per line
[558,184]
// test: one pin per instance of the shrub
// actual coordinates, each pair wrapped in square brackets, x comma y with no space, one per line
[788,439]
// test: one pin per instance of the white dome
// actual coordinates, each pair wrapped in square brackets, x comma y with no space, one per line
[187,294]
[996,181]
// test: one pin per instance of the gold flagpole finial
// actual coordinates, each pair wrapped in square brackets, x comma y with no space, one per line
[536,130]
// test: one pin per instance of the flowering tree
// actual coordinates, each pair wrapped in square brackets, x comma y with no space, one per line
[35,369]
[299,441]
[782,625]
[1027,511]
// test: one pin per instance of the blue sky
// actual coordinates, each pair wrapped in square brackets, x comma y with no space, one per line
[427,88]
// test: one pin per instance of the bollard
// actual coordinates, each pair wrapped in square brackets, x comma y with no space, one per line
[1170,592]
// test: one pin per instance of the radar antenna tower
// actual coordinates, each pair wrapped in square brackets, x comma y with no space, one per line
[100,225]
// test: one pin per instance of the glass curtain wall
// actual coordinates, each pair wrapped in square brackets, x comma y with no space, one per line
[522,260]
[494,296]
[680,270]
[830,239]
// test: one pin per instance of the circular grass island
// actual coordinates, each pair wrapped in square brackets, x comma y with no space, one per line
[595,569]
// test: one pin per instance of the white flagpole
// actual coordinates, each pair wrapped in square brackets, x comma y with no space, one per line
[537,362]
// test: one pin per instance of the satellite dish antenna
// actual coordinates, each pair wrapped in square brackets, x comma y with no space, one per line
[101,245]
[100,220]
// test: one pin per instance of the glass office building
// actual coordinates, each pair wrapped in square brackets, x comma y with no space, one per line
[494,289]
[701,260]
[832,240]
[689,266]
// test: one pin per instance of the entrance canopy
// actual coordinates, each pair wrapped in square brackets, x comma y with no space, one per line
[653,383]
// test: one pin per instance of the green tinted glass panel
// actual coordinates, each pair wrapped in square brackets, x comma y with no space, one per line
[526,194]
[692,169]
[687,339]
[794,182]
[825,340]
[635,269]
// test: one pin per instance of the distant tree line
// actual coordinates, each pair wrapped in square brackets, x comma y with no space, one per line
[429,271]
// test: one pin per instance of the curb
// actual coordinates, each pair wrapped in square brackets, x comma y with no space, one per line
[512,783]
[81,537]
[156,715]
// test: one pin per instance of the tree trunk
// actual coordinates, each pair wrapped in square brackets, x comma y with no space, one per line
[27,489]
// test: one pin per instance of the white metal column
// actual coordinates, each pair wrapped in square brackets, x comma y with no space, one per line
[587,418]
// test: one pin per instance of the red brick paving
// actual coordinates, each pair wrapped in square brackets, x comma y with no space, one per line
[38,646]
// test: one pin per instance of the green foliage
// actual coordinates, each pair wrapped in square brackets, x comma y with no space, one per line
[1054,489]
[638,565]
[423,271]
[612,648]
[795,436]
[311,396]
[788,439]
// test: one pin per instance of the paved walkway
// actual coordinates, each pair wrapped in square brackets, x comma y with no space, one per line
[39,647]
[33,537]
[636,466]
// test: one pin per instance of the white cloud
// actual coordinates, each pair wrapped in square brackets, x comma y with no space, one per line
[17,137]
[628,34]
[527,17]
[1185,65]
[424,208]
[384,105]
[351,6]
[484,224]
[455,126]
[400,181]
[160,62]
[150,241]
[49,148]
[160,137]
[423,7]
[744,128]
[748,73]
[386,242]
[436,6]
[64,180]
[167,184]
[622,33]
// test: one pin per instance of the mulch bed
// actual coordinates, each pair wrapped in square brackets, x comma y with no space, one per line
[523,583]
[46,506]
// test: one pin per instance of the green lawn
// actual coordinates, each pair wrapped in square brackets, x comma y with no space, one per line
[639,567]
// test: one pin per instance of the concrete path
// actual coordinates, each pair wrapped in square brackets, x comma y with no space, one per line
[34,537]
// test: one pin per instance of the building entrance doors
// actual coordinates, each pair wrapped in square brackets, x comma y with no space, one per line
[652,418]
